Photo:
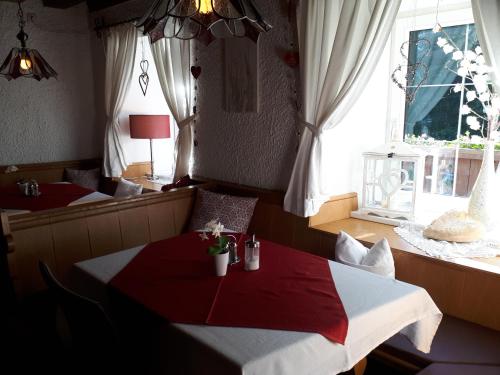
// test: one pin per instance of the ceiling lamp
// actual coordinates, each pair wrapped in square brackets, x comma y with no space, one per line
[202,19]
[25,62]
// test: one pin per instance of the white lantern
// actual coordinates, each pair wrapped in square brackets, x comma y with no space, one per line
[392,182]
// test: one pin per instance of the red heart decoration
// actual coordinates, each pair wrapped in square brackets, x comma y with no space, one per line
[196,71]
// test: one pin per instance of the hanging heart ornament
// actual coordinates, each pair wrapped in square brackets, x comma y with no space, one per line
[410,76]
[144,77]
[196,71]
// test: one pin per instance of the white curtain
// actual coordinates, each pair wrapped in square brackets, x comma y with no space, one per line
[173,60]
[340,42]
[120,46]
[487,19]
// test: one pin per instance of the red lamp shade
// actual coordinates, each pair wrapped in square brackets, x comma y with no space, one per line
[149,126]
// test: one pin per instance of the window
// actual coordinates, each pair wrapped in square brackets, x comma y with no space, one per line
[433,121]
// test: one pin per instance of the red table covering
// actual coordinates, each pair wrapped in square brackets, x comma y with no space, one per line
[292,290]
[51,196]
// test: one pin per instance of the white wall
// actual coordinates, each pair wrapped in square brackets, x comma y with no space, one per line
[259,149]
[50,120]
[151,104]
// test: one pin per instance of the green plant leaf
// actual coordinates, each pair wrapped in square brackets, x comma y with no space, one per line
[214,250]
[223,241]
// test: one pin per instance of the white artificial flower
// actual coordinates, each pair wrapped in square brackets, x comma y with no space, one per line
[448,49]
[473,67]
[458,87]
[483,69]
[441,42]
[478,50]
[212,224]
[481,60]
[437,28]
[476,139]
[462,72]
[480,83]
[465,63]
[470,55]
[457,55]
[465,110]
[203,236]
[495,103]
[473,122]
[216,231]
[485,96]
[470,95]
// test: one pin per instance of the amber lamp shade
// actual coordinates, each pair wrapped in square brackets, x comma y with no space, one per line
[150,127]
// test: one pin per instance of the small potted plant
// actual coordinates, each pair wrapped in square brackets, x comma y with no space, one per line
[219,249]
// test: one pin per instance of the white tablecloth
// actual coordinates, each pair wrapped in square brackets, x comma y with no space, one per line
[377,308]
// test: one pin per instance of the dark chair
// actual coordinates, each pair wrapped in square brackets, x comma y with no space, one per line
[93,342]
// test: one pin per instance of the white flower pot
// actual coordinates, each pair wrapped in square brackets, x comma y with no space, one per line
[221,262]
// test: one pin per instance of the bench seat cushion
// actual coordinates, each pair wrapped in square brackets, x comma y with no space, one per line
[456,369]
[456,341]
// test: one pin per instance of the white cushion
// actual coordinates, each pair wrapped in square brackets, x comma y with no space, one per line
[377,260]
[126,188]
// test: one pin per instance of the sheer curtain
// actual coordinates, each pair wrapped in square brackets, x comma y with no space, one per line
[340,42]
[486,17]
[172,59]
[120,45]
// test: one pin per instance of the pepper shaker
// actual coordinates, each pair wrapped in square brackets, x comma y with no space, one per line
[252,250]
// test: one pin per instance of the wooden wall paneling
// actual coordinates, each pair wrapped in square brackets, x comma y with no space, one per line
[304,238]
[327,245]
[182,209]
[262,220]
[71,245]
[282,226]
[161,220]
[337,208]
[31,245]
[104,234]
[134,226]
[444,283]
[480,302]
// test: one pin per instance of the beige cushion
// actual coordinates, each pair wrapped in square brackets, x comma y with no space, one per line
[377,260]
[126,188]
[88,178]
[233,212]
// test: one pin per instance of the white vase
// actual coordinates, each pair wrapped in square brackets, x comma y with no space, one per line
[221,261]
[483,202]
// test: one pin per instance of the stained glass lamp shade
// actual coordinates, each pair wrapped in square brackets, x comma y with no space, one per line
[25,62]
[189,19]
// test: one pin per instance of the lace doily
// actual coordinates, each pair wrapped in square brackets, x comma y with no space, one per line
[412,233]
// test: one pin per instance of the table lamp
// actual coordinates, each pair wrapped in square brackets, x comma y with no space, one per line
[150,127]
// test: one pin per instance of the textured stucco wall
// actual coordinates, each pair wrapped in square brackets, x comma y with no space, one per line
[256,149]
[51,120]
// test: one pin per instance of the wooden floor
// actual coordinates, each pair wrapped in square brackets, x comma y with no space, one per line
[30,343]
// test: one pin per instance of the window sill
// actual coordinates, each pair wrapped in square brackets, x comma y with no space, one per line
[370,232]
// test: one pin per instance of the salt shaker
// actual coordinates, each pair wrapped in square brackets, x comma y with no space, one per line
[252,249]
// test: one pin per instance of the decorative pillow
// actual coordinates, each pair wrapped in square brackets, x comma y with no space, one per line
[233,212]
[377,260]
[88,178]
[181,182]
[126,188]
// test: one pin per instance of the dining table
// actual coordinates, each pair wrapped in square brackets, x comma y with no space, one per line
[376,308]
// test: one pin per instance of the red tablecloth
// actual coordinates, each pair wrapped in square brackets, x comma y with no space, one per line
[292,290]
[51,196]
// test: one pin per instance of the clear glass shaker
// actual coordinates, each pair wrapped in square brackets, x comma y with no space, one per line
[252,249]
